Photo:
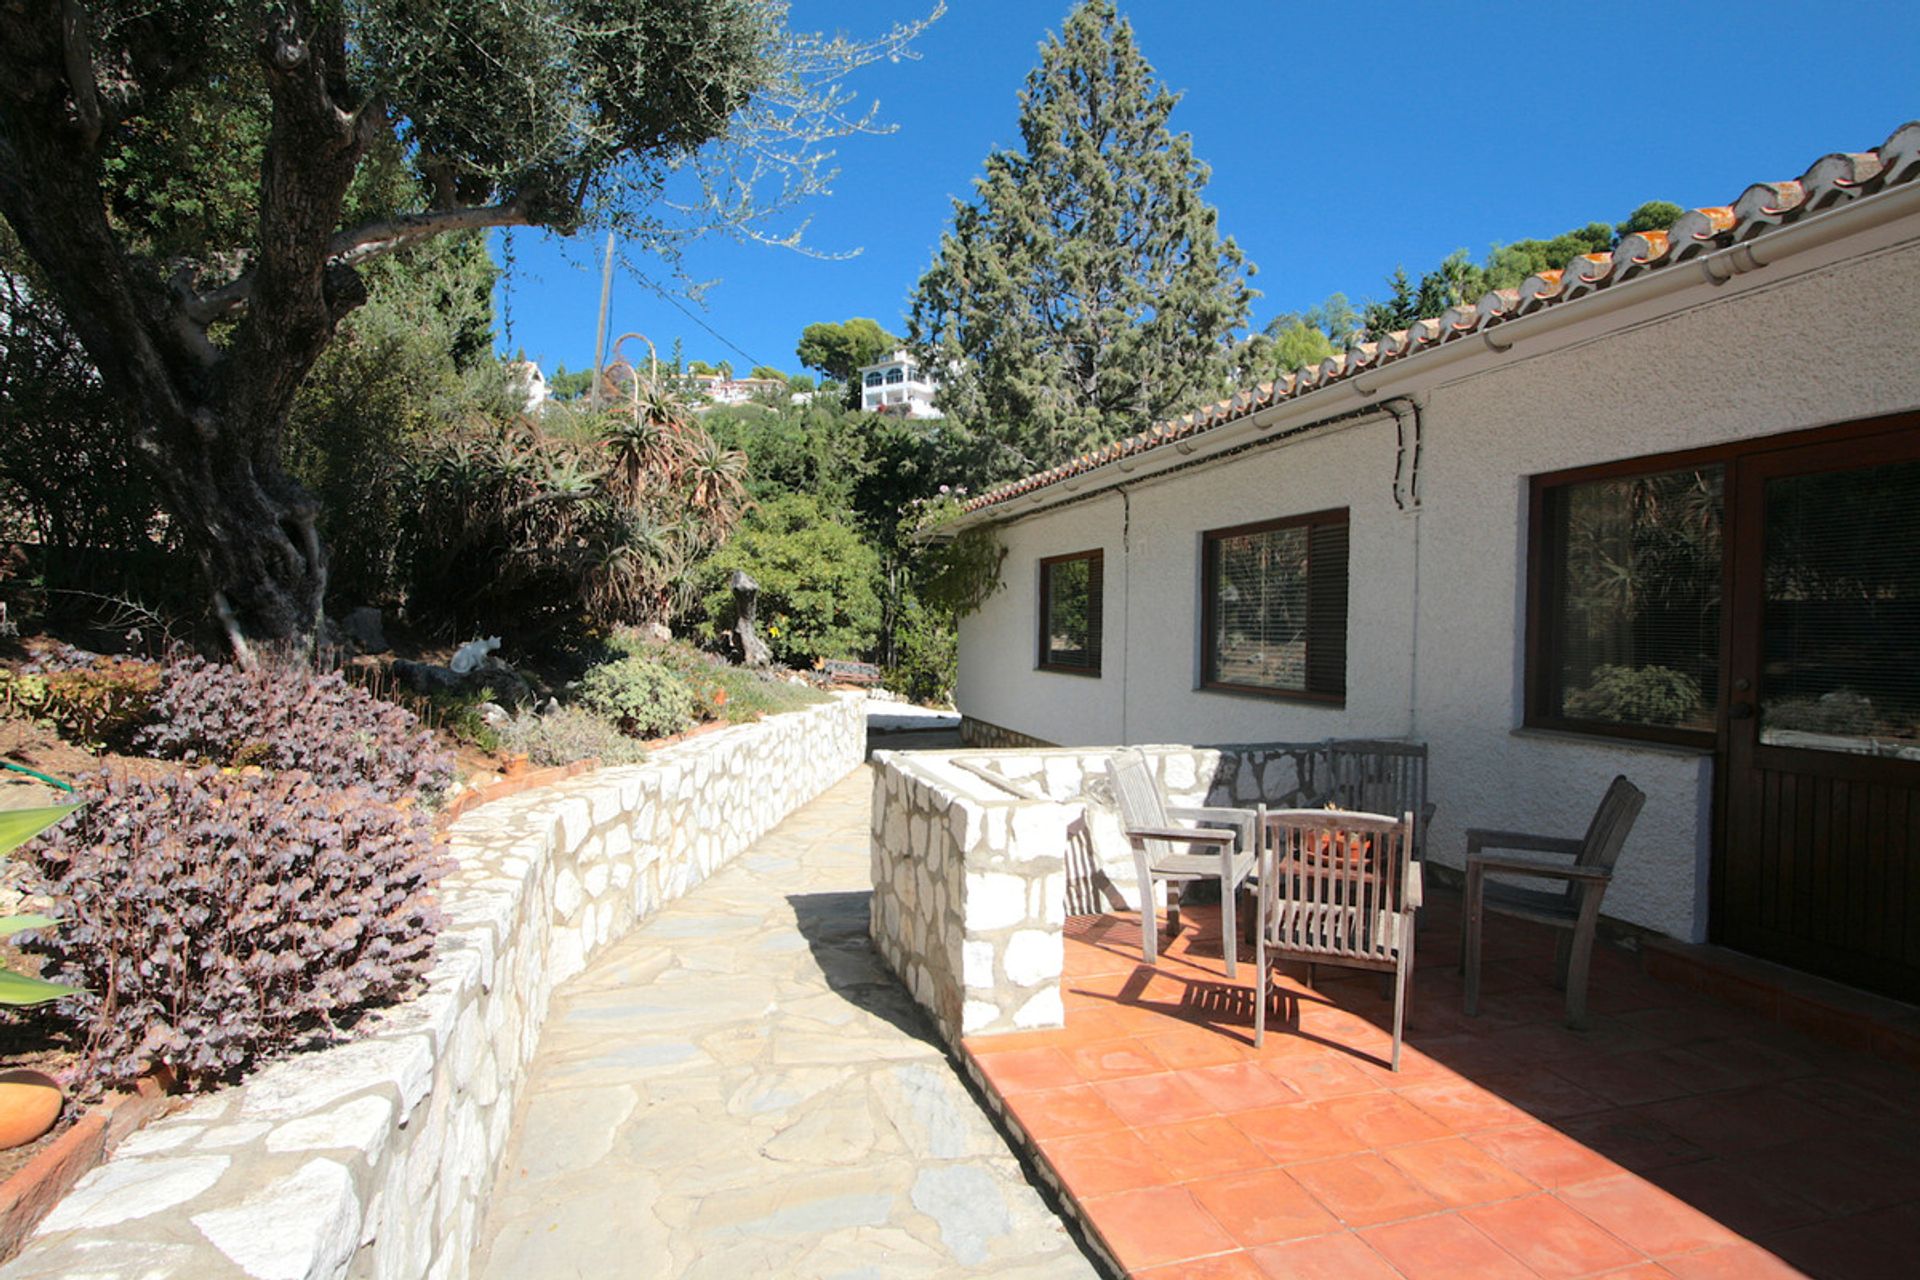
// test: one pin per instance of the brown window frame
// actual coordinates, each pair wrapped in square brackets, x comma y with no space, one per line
[1096,610]
[1209,542]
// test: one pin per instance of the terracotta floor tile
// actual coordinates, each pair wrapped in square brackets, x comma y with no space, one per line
[1189,1046]
[1542,1093]
[1340,1256]
[1458,1173]
[1867,1246]
[1638,1271]
[1630,1079]
[1025,1070]
[1204,1148]
[1632,1139]
[1052,1037]
[1100,1164]
[1743,1261]
[1381,1120]
[1728,1190]
[1644,1216]
[1239,1086]
[1154,1227]
[1463,1106]
[1262,1207]
[1363,1189]
[1551,1238]
[1320,1075]
[1062,1113]
[1544,1155]
[1145,1101]
[1226,1266]
[1113,1059]
[1444,1247]
[1295,1133]
[1743,1120]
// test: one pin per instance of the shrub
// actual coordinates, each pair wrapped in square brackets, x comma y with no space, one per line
[567,735]
[94,700]
[643,696]
[750,694]
[284,716]
[218,919]
[817,582]
[927,654]
[1636,695]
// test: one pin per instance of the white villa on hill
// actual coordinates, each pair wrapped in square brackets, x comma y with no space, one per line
[1655,514]
[899,384]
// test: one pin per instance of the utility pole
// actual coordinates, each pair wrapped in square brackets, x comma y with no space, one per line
[600,331]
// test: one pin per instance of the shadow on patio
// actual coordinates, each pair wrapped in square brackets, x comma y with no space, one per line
[1677,1137]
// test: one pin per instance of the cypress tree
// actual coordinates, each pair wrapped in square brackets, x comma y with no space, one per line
[1085,291]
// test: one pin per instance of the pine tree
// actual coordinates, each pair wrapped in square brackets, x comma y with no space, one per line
[1085,291]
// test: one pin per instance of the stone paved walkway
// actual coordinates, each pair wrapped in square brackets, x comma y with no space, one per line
[740,1089]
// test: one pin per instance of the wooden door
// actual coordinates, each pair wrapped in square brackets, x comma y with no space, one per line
[1820,771]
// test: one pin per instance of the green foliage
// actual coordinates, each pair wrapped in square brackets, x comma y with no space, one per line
[839,350]
[1650,695]
[817,581]
[643,697]
[767,371]
[927,654]
[752,694]
[568,735]
[414,362]
[95,701]
[1085,291]
[565,385]
[17,826]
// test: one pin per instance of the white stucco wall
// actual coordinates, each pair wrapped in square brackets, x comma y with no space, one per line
[1817,345]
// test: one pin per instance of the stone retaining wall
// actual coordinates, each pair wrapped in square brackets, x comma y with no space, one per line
[373,1158]
[979,857]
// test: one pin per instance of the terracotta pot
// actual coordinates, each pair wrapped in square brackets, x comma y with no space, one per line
[29,1104]
[516,765]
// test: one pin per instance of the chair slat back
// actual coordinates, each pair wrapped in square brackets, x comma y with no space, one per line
[1334,883]
[1375,776]
[1139,798]
[1611,823]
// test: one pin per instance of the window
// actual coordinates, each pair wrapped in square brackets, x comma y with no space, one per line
[1275,607]
[1625,601]
[1070,613]
[873,379]
[896,374]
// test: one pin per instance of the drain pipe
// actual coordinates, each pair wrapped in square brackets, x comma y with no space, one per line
[1406,498]
[1126,613]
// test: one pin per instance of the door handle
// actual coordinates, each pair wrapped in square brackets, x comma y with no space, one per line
[1740,711]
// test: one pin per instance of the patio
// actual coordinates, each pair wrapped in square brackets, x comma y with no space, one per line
[1677,1137]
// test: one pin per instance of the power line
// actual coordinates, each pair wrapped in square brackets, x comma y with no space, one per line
[682,309]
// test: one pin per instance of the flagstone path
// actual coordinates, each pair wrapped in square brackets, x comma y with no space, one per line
[739,1088]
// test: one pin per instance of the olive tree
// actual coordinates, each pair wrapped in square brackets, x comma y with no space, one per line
[205,269]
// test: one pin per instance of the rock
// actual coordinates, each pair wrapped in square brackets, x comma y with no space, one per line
[502,683]
[363,627]
[493,715]
[749,647]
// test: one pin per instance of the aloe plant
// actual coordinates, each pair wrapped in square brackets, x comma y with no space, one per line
[17,826]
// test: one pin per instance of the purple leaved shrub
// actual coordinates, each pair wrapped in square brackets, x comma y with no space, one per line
[218,920]
[281,715]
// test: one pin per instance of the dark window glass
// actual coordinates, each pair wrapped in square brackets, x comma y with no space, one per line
[1276,606]
[1840,641]
[896,375]
[873,379]
[1070,612]
[1633,569]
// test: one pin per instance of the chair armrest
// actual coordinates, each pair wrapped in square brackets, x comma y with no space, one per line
[1413,896]
[1479,838]
[1188,835]
[1535,867]
[1211,815]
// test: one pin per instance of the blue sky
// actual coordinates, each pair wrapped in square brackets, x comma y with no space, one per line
[1344,140]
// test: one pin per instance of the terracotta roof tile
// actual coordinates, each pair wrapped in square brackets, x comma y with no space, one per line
[1832,180]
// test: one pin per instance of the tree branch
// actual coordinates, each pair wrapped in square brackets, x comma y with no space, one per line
[77,50]
[368,240]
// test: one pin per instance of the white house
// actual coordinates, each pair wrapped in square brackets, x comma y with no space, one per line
[717,389]
[530,382]
[899,384]
[1657,514]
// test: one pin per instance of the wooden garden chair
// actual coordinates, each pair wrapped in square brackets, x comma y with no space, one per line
[1337,888]
[1172,847]
[1374,775]
[1574,910]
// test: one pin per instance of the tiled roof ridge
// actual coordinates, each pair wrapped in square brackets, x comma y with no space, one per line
[1831,180]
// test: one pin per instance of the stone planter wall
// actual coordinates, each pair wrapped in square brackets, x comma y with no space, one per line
[373,1158]
[979,857]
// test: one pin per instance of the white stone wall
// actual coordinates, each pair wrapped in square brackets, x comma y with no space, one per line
[980,856]
[1437,611]
[373,1158]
